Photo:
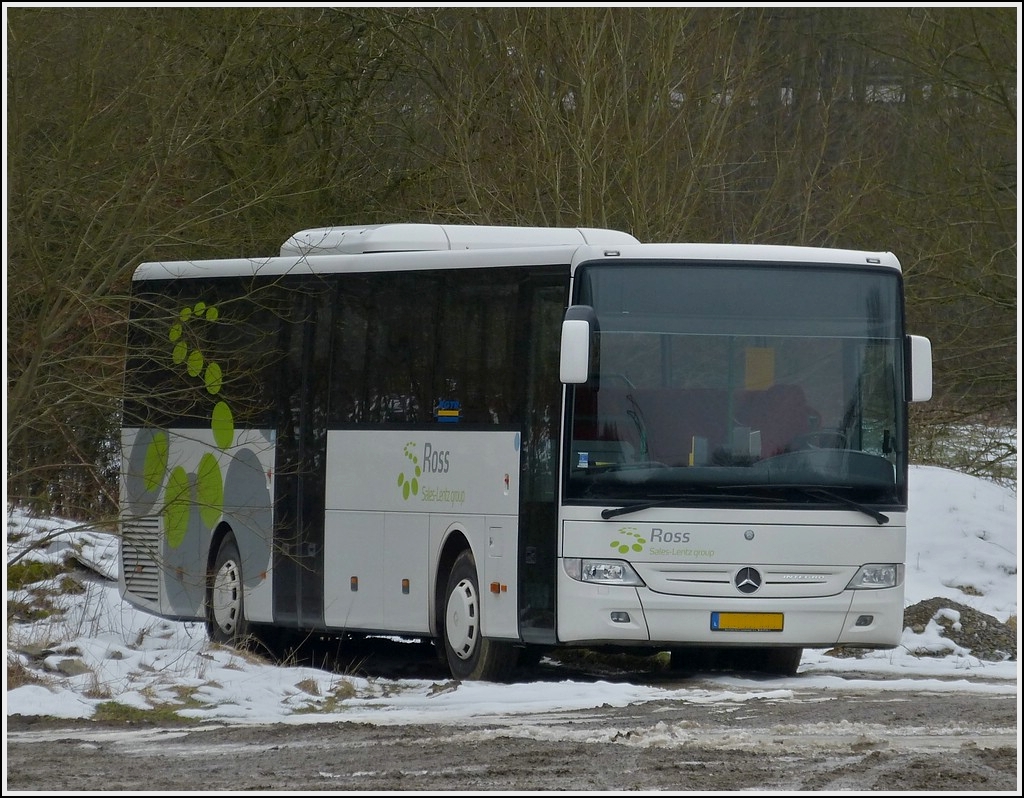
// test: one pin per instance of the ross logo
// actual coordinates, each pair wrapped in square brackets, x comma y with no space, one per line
[409,484]
[435,461]
[659,535]
[624,546]
[747,580]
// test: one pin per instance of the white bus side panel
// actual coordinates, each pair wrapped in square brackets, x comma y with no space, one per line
[376,572]
[393,498]
[353,569]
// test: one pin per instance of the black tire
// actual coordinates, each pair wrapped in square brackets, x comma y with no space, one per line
[225,605]
[770,661]
[781,661]
[471,656]
[694,659]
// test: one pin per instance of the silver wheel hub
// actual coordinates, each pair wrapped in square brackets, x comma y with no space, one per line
[226,597]
[462,619]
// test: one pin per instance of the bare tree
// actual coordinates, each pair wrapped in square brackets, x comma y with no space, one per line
[141,135]
[150,133]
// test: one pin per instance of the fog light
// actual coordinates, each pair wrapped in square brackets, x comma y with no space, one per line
[865,620]
[620,617]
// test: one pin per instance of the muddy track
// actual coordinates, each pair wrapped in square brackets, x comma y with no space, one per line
[803,740]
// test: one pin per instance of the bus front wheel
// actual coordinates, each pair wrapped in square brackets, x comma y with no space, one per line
[470,655]
[781,661]
[225,611]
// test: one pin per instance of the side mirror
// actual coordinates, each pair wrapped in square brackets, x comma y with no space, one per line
[920,369]
[579,324]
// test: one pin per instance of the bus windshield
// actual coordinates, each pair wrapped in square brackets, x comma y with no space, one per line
[734,381]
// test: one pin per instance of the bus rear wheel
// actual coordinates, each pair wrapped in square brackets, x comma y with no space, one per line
[225,609]
[470,655]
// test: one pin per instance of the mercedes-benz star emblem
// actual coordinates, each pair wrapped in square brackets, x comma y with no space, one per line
[747,580]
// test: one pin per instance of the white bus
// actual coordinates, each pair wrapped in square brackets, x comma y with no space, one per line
[505,440]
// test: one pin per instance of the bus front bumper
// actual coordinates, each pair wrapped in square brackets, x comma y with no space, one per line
[609,615]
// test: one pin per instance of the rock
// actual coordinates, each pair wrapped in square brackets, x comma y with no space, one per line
[71,667]
[984,636]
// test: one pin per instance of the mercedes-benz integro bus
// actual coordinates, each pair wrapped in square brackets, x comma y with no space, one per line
[505,440]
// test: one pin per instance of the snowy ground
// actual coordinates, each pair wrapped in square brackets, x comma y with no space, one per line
[962,546]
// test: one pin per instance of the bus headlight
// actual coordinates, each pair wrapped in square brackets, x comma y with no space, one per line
[877,575]
[602,572]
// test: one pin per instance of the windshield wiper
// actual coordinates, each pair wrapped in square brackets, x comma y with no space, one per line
[881,518]
[612,512]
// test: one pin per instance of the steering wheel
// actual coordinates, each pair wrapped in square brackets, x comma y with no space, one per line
[615,375]
[820,439]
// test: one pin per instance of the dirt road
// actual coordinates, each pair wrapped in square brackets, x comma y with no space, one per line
[827,740]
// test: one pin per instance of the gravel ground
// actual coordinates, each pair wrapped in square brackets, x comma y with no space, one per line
[821,740]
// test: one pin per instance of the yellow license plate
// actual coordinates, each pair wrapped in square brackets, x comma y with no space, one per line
[746,622]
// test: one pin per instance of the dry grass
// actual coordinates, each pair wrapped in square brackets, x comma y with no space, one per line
[20,676]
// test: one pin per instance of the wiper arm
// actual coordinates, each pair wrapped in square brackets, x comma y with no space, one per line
[612,512]
[881,518]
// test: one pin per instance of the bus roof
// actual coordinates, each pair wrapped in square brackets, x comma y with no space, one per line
[359,239]
[298,265]
[388,247]
[746,253]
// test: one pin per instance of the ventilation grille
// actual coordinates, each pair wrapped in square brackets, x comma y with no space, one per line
[140,556]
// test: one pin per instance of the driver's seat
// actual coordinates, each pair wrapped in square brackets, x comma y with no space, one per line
[780,412]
